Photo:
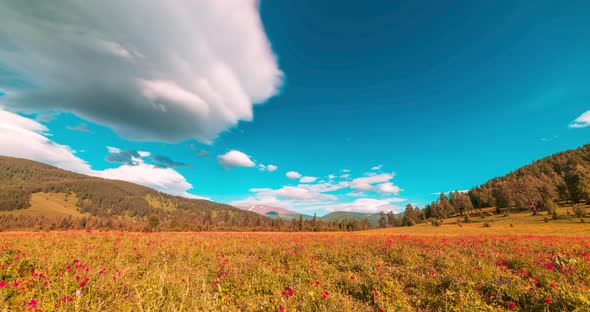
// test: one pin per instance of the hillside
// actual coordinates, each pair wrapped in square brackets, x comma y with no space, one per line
[562,179]
[39,196]
[30,189]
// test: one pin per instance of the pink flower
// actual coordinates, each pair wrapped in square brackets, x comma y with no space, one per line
[282,309]
[32,303]
[2,284]
[511,304]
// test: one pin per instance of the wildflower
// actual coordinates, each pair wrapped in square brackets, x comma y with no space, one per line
[83,283]
[282,309]
[32,303]
[511,304]
[547,300]
[352,277]
[325,295]
[2,284]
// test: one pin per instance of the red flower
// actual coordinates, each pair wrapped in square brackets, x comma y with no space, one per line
[511,304]
[2,284]
[32,303]
[282,309]
[547,300]
[84,282]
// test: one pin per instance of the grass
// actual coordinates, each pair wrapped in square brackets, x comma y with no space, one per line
[532,265]
[50,205]
[405,269]
[517,223]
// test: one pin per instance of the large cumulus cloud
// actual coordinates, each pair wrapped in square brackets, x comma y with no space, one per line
[151,70]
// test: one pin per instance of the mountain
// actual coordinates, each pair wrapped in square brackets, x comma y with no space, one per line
[37,196]
[40,193]
[273,212]
[562,178]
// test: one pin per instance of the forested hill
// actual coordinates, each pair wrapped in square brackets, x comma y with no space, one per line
[120,203]
[563,178]
[36,195]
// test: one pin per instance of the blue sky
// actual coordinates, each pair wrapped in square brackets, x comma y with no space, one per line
[413,97]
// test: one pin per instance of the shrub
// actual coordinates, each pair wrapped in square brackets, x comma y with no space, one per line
[579,211]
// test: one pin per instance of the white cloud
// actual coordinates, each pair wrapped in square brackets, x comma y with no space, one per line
[298,194]
[269,168]
[25,138]
[332,177]
[582,121]
[263,200]
[161,70]
[388,188]
[113,150]
[367,183]
[308,179]
[293,175]
[448,192]
[324,187]
[377,168]
[369,205]
[345,176]
[235,158]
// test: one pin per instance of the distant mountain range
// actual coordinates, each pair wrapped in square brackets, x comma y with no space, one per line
[271,211]
[286,214]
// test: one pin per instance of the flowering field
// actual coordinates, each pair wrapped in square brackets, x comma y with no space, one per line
[119,271]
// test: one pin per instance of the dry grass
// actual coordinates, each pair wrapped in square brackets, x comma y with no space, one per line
[50,205]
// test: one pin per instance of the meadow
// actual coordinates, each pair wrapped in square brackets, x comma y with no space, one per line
[395,269]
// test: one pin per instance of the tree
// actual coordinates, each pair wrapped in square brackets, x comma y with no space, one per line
[153,222]
[463,203]
[578,183]
[390,218]
[382,220]
[445,206]
[409,218]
